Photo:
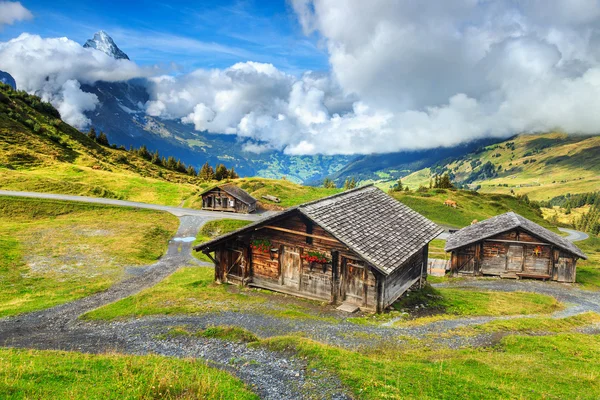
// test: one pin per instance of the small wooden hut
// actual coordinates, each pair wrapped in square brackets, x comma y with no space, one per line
[228,198]
[511,246]
[360,248]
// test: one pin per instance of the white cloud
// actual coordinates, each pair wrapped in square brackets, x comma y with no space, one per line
[13,11]
[404,75]
[54,69]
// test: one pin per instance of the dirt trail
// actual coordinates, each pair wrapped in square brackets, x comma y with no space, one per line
[270,374]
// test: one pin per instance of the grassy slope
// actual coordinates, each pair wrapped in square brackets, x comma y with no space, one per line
[213,229]
[52,252]
[193,291]
[563,164]
[563,366]
[588,271]
[57,158]
[471,205]
[35,374]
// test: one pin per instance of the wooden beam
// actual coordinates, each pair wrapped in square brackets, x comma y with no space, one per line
[517,242]
[211,257]
[276,228]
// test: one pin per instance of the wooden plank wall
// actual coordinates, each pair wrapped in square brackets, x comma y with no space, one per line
[399,281]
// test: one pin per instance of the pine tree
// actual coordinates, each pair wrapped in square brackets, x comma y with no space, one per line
[328,184]
[350,183]
[102,140]
[206,172]
[171,163]
[144,153]
[233,174]
[92,134]
[191,171]
[156,158]
[221,172]
[398,187]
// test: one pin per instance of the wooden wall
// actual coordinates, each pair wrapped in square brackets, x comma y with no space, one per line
[403,278]
[226,199]
[347,279]
[513,254]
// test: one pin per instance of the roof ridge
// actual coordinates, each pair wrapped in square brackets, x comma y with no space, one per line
[345,192]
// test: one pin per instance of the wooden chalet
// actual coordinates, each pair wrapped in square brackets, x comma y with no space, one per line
[511,246]
[360,248]
[228,198]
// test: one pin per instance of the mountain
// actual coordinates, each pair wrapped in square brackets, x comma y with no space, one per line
[7,79]
[385,169]
[39,152]
[541,166]
[121,115]
[105,44]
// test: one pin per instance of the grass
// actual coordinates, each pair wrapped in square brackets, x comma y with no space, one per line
[193,291]
[449,303]
[289,193]
[466,302]
[436,249]
[228,333]
[530,326]
[36,374]
[471,206]
[212,229]
[562,366]
[588,271]
[52,252]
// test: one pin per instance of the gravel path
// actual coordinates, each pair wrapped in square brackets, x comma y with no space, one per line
[273,375]
[177,211]
[574,236]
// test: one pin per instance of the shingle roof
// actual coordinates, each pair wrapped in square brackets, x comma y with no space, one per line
[236,192]
[505,222]
[383,231]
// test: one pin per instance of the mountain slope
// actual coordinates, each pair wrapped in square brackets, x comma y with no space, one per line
[542,166]
[121,115]
[101,41]
[385,169]
[39,152]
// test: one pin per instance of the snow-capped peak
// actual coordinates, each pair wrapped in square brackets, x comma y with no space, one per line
[105,44]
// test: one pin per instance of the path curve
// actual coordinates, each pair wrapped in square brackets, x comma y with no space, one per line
[177,211]
[273,375]
[574,236]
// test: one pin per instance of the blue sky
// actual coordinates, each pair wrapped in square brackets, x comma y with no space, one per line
[191,34]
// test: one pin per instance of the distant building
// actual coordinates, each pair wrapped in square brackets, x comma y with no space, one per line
[360,248]
[228,198]
[511,246]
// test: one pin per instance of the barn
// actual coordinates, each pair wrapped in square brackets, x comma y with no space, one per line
[228,198]
[360,249]
[511,246]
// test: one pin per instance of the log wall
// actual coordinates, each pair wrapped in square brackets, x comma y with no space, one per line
[515,253]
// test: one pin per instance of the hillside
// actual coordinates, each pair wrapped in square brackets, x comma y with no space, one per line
[541,166]
[125,122]
[39,152]
[471,206]
[385,168]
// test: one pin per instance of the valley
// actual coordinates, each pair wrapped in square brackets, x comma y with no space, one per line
[120,279]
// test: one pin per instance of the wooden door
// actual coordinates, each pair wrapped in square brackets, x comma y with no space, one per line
[566,270]
[514,258]
[354,276]
[290,267]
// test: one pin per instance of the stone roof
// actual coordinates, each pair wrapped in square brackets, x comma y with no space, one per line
[378,228]
[503,223]
[236,192]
